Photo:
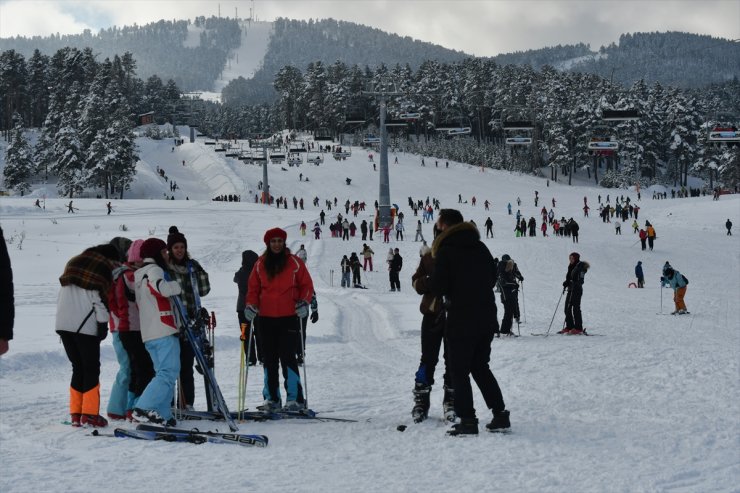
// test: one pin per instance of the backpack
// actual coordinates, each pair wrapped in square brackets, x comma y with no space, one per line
[685,280]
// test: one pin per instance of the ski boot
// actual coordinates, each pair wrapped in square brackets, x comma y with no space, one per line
[448,404]
[270,406]
[420,411]
[466,426]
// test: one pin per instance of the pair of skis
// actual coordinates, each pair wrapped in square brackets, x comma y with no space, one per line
[161,433]
[258,416]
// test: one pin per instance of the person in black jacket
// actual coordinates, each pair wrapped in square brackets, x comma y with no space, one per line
[464,278]
[241,277]
[574,284]
[395,267]
[508,281]
[7,303]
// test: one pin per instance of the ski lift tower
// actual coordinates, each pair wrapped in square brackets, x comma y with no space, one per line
[384,194]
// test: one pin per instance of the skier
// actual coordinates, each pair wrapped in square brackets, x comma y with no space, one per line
[280,289]
[643,238]
[640,276]
[303,228]
[252,350]
[419,235]
[574,285]
[346,268]
[635,226]
[394,267]
[38,203]
[508,282]
[70,208]
[675,280]
[432,339]
[728,225]
[650,234]
[354,263]
[301,253]
[110,208]
[317,231]
[191,276]
[489,227]
[464,277]
[367,255]
[82,323]
[158,327]
[399,230]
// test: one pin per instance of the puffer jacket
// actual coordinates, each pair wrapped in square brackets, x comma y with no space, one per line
[156,311]
[79,310]
[278,296]
[676,281]
[422,284]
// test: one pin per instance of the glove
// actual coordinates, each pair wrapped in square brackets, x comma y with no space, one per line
[565,284]
[250,313]
[301,309]
[314,317]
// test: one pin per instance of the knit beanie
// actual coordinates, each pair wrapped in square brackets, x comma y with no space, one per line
[175,237]
[134,251]
[275,233]
[152,248]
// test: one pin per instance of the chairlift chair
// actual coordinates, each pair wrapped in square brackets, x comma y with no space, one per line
[512,125]
[409,116]
[724,135]
[619,115]
[295,159]
[518,140]
[603,139]
[323,134]
[277,158]
[370,139]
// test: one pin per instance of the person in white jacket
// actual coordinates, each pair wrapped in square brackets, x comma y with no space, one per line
[159,332]
[82,322]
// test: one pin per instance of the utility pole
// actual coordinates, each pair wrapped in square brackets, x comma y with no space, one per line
[384,192]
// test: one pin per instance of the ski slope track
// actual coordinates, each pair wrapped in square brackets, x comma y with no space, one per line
[652,406]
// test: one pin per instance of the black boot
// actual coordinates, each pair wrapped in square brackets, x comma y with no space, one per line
[420,410]
[466,426]
[448,404]
[500,422]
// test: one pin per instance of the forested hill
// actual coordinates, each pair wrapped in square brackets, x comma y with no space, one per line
[671,58]
[193,54]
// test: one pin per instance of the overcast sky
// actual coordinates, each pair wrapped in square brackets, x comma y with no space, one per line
[477,27]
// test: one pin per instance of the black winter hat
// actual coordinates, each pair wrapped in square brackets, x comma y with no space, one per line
[175,237]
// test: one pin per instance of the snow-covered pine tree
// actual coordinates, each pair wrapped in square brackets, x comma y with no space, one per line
[19,165]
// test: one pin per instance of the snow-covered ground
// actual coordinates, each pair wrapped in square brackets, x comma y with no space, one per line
[650,406]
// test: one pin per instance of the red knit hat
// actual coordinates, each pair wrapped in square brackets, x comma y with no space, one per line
[275,233]
[152,248]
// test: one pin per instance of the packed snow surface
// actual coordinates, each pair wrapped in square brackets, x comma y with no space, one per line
[650,403]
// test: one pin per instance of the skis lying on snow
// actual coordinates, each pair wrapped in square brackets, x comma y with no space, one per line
[256,415]
[150,432]
[584,333]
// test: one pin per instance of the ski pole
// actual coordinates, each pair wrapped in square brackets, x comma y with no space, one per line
[240,384]
[303,352]
[661,299]
[250,330]
[556,311]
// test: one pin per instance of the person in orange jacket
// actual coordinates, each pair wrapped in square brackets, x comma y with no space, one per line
[279,292]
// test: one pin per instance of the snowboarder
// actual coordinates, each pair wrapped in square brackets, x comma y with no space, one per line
[574,285]
[432,339]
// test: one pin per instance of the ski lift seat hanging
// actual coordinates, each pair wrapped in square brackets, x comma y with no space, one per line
[724,136]
[409,116]
[517,125]
[518,141]
[371,139]
[619,115]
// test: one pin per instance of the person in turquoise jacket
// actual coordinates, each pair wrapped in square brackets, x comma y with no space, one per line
[678,282]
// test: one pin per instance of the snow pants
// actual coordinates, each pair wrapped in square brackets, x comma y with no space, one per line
[142,368]
[83,351]
[187,380]
[368,261]
[165,354]
[278,336]
[573,309]
[432,339]
[121,400]
[469,356]
[510,302]
[678,295]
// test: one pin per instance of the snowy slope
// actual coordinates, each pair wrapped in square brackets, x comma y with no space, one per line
[650,406]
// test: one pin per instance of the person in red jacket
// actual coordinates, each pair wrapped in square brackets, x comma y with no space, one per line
[279,292]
